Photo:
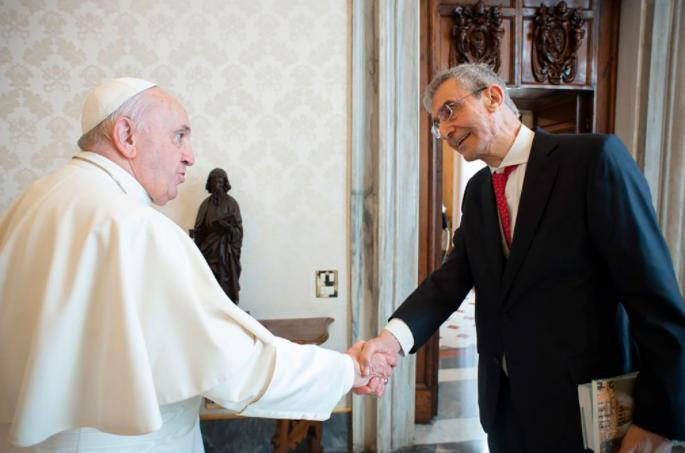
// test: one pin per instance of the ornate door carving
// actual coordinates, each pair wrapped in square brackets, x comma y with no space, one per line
[476,35]
[558,35]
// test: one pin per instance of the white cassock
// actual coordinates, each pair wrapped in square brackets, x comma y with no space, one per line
[111,324]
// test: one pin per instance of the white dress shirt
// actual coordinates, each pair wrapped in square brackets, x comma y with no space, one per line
[518,154]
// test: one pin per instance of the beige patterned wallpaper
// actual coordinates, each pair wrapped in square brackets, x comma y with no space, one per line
[266,85]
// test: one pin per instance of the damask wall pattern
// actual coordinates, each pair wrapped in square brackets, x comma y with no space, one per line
[266,85]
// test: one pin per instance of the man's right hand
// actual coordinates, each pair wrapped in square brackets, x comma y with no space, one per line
[375,378]
[384,345]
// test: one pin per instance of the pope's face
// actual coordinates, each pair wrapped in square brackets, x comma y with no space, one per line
[163,148]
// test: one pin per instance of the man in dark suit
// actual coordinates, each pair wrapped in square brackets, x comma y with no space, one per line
[560,240]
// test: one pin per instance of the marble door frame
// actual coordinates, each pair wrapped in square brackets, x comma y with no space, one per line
[384,200]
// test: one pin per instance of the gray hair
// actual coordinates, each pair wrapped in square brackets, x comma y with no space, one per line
[471,77]
[134,108]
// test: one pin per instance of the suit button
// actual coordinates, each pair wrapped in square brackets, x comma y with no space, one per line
[496,361]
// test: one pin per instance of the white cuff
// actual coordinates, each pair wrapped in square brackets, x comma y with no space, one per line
[401,331]
[348,380]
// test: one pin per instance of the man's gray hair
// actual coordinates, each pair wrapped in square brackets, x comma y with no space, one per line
[471,77]
[134,108]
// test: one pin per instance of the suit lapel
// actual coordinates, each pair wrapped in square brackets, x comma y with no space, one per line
[538,183]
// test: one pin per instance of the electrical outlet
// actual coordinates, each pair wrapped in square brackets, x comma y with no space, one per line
[326,283]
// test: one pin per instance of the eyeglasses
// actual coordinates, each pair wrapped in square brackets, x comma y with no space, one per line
[447,112]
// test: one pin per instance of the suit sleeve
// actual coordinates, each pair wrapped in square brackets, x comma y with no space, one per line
[440,294]
[623,224]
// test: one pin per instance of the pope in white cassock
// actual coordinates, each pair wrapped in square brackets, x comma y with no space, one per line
[112,326]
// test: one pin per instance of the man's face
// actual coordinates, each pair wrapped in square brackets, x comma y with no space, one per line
[470,131]
[163,148]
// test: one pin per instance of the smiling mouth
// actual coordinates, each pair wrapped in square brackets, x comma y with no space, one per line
[462,140]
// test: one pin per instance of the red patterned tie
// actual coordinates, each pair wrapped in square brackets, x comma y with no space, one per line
[499,183]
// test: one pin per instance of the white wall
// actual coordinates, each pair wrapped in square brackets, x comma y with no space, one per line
[265,83]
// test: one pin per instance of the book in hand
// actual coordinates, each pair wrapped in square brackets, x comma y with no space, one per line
[606,411]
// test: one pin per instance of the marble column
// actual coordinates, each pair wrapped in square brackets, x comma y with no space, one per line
[384,194]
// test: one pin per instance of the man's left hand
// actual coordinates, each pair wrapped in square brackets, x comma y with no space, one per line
[638,440]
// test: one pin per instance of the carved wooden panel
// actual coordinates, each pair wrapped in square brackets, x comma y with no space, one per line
[503,3]
[558,34]
[582,77]
[583,4]
[442,41]
[476,35]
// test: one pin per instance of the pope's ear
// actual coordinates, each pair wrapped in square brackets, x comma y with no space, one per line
[123,137]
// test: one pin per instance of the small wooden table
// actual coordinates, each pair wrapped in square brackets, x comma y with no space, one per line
[299,330]
[289,433]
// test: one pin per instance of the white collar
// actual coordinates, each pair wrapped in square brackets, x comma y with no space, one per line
[126,182]
[519,151]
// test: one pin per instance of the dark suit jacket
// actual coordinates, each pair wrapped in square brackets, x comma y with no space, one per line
[586,244]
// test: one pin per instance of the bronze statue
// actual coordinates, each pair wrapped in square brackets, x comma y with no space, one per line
[218,232]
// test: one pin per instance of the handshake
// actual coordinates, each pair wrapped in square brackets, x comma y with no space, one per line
[373,363]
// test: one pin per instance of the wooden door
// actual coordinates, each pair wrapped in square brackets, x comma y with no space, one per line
[430,201]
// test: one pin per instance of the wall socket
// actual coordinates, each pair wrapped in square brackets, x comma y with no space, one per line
[326,284]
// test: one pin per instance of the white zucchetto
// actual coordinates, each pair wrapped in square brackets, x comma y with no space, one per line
[109,96]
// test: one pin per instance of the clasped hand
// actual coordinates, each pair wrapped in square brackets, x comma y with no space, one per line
[374,361]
